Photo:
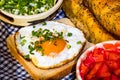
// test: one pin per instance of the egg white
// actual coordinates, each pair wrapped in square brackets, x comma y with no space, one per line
[63,57]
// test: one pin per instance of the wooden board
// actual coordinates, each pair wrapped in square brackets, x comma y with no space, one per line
[40,74]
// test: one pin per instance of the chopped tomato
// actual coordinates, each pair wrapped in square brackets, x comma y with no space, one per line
[89,60]
[102,63]
[92,72]
[83,70]
[103,71]
[109,46]
[117,44]
[114,77]
[112,64]
[98,54]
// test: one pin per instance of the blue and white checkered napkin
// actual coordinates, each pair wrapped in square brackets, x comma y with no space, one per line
[10,69]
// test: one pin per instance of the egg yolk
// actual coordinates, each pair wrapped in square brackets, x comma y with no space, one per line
[55,46]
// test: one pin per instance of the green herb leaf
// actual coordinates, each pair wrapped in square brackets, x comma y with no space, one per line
[79,42]
[33,26]
[21,37]
[69,34]
[31,53]
[33,33]
[42,54]
[31,48]
[44,23]
[23,42]
[39,48]
[68,46]
[27,56]
[32,43]
[26,7]
[60,35]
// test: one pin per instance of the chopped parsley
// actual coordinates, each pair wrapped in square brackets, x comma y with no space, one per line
[69,34]
[79,42]
[23,42]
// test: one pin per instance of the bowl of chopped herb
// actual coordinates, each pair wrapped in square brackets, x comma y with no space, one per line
[28,12]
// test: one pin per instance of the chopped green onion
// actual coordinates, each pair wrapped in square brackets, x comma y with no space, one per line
[69,34]
[21,37]
[60,35]
[68,46]
[27,56]
[31,48]
[33,26]
[26,7]
[42,54]
[44,23]
[39,48]
[46,35]
[32,43]
[34,33]
[23,42]
[31,53]
[79,42]
[50,33]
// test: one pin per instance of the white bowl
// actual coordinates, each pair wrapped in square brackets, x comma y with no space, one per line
[116,43]
[29,19]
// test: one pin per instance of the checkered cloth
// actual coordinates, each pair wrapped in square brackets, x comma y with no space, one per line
[10,69]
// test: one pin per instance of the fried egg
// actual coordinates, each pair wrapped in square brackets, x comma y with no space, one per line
[49,44]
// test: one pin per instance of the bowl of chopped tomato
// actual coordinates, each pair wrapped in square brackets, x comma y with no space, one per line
[28,12]
[100,62]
